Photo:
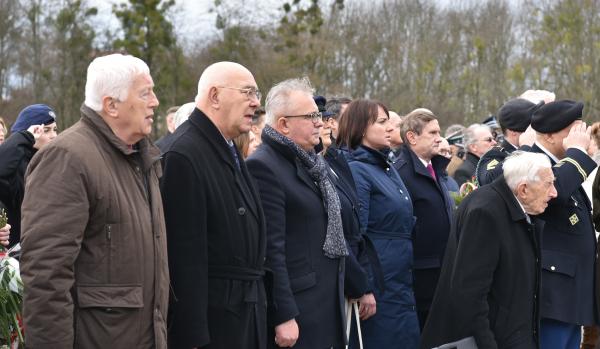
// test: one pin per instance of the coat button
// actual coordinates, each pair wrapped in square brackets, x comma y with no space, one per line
[241,211]
[553,268]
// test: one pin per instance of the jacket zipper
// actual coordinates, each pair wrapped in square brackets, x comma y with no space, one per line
[109,240]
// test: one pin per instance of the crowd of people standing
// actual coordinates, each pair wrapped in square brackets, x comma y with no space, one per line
[310,223]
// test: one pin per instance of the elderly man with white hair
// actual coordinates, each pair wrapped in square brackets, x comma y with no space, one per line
[214,218]
[94,259]
[477,140]
[489,289]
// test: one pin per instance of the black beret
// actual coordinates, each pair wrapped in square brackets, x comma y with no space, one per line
[516,114]
[321,101]
[555,116]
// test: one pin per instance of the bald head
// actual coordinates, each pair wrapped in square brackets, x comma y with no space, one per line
[395,120]
[228,96]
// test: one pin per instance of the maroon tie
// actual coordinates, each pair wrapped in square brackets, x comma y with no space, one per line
[431,172]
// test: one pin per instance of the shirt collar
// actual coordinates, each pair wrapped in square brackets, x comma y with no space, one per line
[547,152]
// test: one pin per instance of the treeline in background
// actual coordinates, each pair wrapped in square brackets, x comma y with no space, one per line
[460,59]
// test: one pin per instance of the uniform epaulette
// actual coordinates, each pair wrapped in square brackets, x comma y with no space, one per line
[574,163]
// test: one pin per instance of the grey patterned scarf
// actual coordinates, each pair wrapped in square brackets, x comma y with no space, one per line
[335,244]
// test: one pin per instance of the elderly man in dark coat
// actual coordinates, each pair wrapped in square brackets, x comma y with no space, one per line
[490,284]
[215,224]
[422,170]
[305,240]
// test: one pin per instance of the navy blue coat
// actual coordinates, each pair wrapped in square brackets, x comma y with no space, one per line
[569,244]
[490,164]
[387,214]
[433,208]
[306,285]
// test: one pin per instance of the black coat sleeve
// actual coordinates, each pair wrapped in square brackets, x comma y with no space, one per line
[471,281]
[185,207]
[570,172]
[18,146]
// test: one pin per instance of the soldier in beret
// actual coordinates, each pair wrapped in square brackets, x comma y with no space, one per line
[514,118]
[569,241]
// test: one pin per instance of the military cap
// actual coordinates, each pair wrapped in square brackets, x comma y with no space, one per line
[321,101]
[555,116]
[35,114]
[516,114]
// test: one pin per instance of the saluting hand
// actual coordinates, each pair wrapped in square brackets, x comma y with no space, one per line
[579,136]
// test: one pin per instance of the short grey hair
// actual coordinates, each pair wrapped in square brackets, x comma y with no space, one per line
[277,100]
[470,137]
[111,76]
[183,113]
[522,166]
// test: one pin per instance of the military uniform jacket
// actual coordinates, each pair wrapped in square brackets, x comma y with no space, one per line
[569,244]
[216,240]
[490,164]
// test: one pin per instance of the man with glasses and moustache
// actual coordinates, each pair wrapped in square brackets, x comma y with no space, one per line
[214,219]
[478,140]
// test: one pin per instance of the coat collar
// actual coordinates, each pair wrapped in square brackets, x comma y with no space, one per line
[370,156]
[289,155]
[516,212]
[408,157]
[149,153]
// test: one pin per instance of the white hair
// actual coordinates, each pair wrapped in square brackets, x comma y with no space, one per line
[470,133]
[523,166]
[111,76]
[183,113]
[278,97]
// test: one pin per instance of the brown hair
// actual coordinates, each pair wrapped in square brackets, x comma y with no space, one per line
[596,133]
[242,143]
[415,121]
[355,119]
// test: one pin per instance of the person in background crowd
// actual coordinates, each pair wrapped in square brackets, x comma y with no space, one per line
[94,263]
[386,215]
[170,122]
[396,139]
[445,150]
[3,130]
[454,135]
[246,144]
[569,241]
[326,131]
[336,106]
[258,123]
[514,117]
[34,128]
[592,188]
[477,140]
[489,289]
[421,169]
[180,116]
[215,223]
[305,241]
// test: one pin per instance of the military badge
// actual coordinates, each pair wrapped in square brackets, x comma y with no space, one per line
[492,164]
[574,219]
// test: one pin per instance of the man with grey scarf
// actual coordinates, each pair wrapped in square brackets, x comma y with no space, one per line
[305,241]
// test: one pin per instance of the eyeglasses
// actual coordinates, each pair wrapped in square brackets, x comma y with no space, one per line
[248,91]
[315,117]
[487,139]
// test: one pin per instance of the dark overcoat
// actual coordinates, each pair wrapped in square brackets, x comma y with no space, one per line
[216,242]
[466,170]
[490,164]
[306,286]
[356,279]
[569,244]
[433,206]
[489,286]
[15,154]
